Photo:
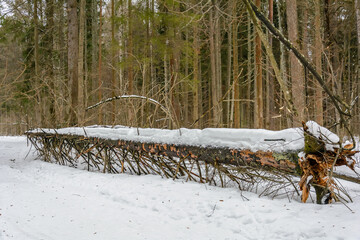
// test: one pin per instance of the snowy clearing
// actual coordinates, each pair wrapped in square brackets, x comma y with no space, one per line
[39,200]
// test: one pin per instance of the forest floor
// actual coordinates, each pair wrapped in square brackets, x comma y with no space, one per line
[39,200]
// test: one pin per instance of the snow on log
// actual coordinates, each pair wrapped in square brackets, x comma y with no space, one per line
[213,155]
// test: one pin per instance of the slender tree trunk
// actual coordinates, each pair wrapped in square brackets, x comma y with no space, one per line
[259,101]
[61,85]
[305,52]
[36,39]
[249,72]
[73,52]
[214,97]
[270,88]
[317,55]
[113,51]
[219,105]
[236,66]
[94,51]
[38,81]
[130,74]
[296,70]
[196,79]
[81,102]
[357,11]
[100,83]
[49,12]
[283,68]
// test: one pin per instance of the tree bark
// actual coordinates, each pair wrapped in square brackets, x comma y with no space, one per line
[317,55]
[259,101]
[235,67]
[213,65]
[100,83]
[73,52]
[113,51]
[270,88]
[130,73]
[81,100]
[196,78]
[49,12]
[296,70]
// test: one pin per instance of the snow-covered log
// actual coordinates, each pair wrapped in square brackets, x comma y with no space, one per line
[222,166]
[241,157]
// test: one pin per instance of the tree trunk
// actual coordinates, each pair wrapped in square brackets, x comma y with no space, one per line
[317,55]
[214,97]
[249,73]
[49,12]
[100,83]
[357,84]
[283,69]
[235,67]
[130,74]
[218,44]
[296,70]
[270,88]
[81,102]
[259,101]
[196,79]
[73,52]
[113,51]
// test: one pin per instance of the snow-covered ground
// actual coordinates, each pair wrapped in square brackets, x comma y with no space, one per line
[39,200]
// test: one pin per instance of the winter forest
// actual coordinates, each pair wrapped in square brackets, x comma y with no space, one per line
[179,119]
[192,64]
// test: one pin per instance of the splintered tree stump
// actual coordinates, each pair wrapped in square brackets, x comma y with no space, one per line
[317,165]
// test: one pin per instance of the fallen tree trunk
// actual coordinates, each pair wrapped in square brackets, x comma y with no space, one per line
[268,172]
[215,165]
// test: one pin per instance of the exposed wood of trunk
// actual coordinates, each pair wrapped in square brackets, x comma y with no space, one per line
[286,162]
[259,101]
[73,52]
[81,101]
[318,51]
[296,70]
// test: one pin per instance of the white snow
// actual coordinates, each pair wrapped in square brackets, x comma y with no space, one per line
[330,138]
[254,139]
[39,200]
